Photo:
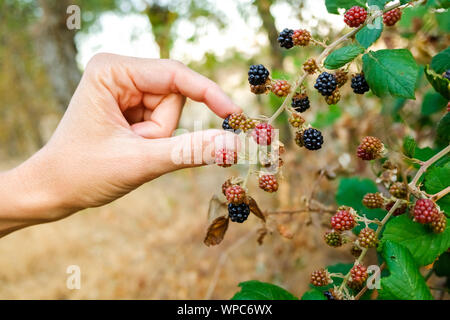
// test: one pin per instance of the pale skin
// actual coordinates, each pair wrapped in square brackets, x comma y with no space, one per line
[115,135]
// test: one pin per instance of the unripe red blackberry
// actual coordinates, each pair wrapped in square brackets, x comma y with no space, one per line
[236,120]
[440,224]
[358,276]
[301,37]
[310,66]
[299,138]
[355,16]
[398,190]
[235,194]
[334,97]
[333,239]
[391,17]
[238,212]
[341,77]
[281,88]
[355,251]
[359,84]
[300,102]
[401,209]
[225,158]
[263,134]
[285,38]
[425,211]
[367,238]
[268,183]
[325,83]
[226,185]
[344,219]
[320,278]
[373,200]
[296,120]
[312,139]
[257,74]
[370,148]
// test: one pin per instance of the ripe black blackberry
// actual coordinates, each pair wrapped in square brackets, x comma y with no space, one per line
[312,139]
[226,125]
[447,74]
[300,102]
[238,212]
[359,84]
[285,38]
[326,83]
[257,74]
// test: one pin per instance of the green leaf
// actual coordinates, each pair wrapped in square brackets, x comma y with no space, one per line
[405,281]
[313,294]
[409,146]
[443,131]
[257,290]
[334,5]
[423,244]
[391,72]
[443,20]
[441,62]
[340,57]
[439,83]
[437,179]
[438,4]
[326,119]
[442,266]
[350,193]
[432,102]
[379,3]
[366,36]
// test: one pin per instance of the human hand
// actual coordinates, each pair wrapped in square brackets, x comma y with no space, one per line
[116,135]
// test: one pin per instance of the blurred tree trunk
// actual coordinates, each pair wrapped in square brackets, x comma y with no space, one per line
[162,20]
[268,23]
[56,47]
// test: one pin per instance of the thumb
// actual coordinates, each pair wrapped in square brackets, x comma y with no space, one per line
[188,150]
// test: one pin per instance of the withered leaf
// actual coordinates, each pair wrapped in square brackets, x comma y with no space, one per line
[284,231]
[255,209]
[262,232]
[218,221]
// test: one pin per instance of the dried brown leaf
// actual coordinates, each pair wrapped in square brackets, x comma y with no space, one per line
[255,209]
[262,232]
[218,221]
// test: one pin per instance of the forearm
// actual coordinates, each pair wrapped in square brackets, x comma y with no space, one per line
[26,197]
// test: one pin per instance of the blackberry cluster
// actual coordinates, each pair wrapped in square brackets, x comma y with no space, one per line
[257,74]
[401,209]
[249,124]
[238,212]
[333,98]
[296,120]
[326,83]
[341,77]
[425,211]
[373,200]
[310,66]
[263,134]
[359,84]
[312,139]
[358,277]
[235,194]
[333,239]
[285,38]
[367,238]
[281,88]
[320,278]
[225,158]
[225,186]
[226,125]
[236,120]
[301,37]
[343,219]
[268,183]
[355,16]
[398,190]
[300,102]
[391,17]
[370,148]
[439,225]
